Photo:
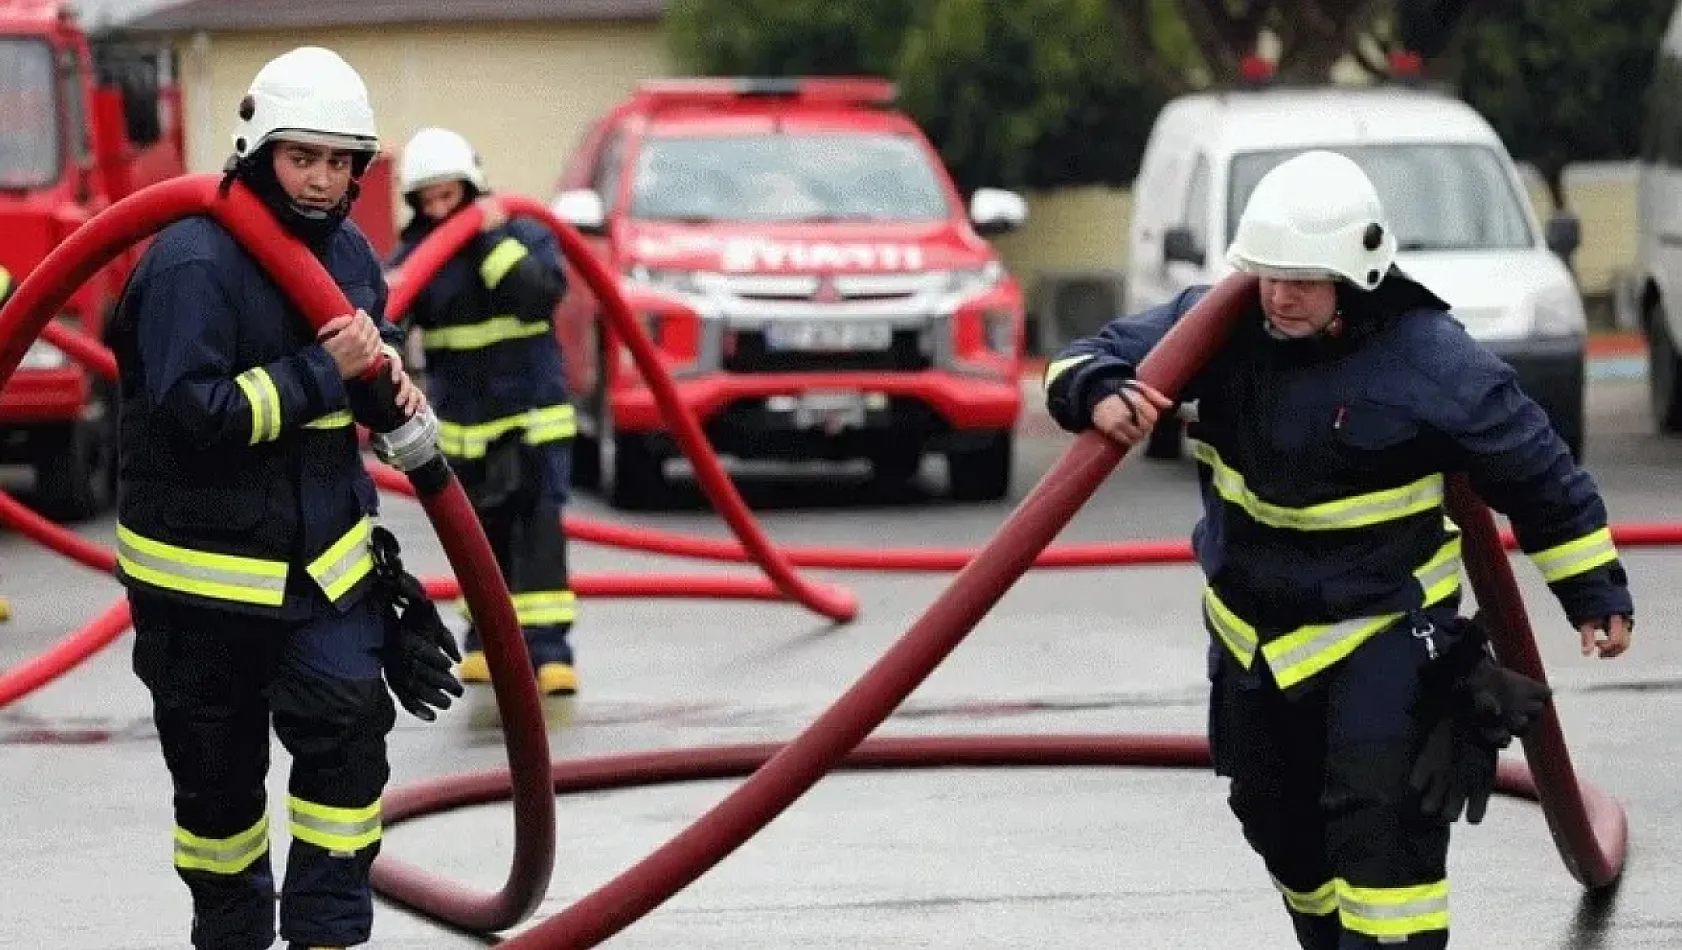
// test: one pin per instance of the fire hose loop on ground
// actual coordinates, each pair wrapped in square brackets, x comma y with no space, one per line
[1589,827]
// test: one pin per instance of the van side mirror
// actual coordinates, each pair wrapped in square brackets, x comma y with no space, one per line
[996,211]
[1179,244]
[1565,234]
[582,208]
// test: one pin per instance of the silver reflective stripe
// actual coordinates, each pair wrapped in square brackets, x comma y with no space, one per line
[1575,557]
[346,562]
[260,392]
[1404,910]
[1356,511]
[205,574]
[327,828]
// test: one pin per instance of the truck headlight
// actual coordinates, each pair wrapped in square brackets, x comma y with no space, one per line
[971,281]
[43,355]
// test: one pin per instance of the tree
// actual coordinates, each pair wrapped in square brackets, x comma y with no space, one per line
[1563,82]
[1030,93]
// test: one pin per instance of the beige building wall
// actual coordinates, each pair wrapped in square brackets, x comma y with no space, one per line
[524,94]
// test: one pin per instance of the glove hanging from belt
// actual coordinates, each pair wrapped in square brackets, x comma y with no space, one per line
[1471,708]
[419,652]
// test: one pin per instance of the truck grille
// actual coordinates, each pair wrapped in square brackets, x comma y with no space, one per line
[749,355]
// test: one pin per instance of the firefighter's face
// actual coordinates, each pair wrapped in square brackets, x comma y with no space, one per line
[438,201]
[1298,308]
[312,175]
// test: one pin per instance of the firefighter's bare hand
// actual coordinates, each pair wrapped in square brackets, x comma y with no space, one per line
[1130,415]
[1607,637]
[410,398]
[353,341]
[494,216]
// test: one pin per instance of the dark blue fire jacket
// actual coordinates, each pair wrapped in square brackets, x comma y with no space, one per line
[1321,464]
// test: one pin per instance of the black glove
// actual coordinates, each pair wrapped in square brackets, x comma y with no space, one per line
[419,652]
[1472,708]
[1454,771]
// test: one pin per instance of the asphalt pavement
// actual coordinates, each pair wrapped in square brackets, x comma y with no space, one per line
[966,858]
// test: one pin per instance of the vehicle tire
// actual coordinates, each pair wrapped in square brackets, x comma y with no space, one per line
[639,480]
[76,470]
[896,465]
[586,462]
[1664,373]
[982,474]
[1166,440]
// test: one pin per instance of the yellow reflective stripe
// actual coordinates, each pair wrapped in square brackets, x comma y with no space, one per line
[1356,511]
[1306,651]
[337,830]
[502,258]
[1318,902]
[1393,912]
[333,420]
[537,608]
[1240,637]
[477,336]
[1576,557]
[1056,368]
[260,392]
[470,441]
[347,561]
[201,573]
[230,855]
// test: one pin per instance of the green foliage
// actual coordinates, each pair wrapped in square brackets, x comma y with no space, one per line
[1026,94]
[1564,82]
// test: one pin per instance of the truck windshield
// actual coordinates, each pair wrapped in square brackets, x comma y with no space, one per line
[786,177]
[1439,196]
[29,139]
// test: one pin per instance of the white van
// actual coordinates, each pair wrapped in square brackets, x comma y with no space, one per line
[1455,198]
[1659,213]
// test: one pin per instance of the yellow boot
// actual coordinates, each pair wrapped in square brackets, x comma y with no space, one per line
[5,610]
[557,679]
[473,668]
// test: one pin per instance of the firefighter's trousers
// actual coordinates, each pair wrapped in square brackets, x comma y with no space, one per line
[1319,783]
[520,511]
[216,678]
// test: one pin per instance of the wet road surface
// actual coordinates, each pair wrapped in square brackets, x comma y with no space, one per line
[952,858]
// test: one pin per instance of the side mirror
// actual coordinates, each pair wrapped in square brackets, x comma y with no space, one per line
[1565,234]
[1179,244]
[996,211]
[582,208]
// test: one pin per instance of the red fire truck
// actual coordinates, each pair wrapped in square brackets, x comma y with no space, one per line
[811,275]
[83,123]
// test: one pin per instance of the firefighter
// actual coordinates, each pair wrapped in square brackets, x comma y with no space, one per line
[258,582]
[493,366]
[1354,712]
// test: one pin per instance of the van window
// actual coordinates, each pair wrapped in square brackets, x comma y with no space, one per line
[29,142]
[1439,196]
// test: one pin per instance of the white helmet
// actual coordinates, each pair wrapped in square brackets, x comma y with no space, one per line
[1315,216]
[307,95]
[436,155]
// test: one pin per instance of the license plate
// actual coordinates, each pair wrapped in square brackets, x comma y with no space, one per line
[830,412]
[821,336]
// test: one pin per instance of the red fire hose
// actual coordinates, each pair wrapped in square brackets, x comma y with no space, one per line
[451,236]
[783,773]
[89,248]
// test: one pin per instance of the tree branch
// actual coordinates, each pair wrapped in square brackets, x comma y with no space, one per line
[1131,21]
[1213,31]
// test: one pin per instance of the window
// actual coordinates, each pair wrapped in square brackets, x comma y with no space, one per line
[1439,196]
[812,177]
[29,140]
